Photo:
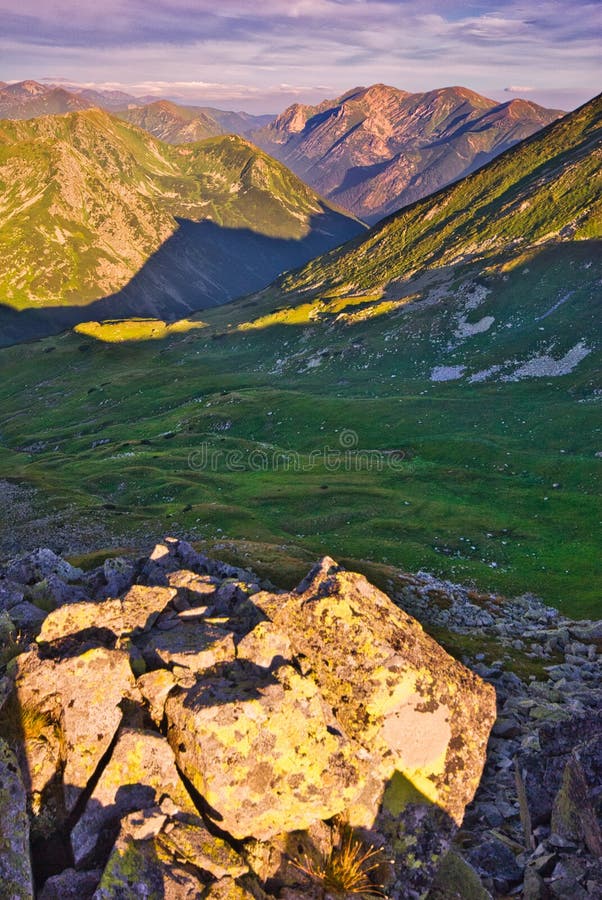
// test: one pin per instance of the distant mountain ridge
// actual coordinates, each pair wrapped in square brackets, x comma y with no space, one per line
[29,99]
[100,219]
[376,149]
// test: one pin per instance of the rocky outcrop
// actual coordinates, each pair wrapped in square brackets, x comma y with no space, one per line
[534,825]
[197,736]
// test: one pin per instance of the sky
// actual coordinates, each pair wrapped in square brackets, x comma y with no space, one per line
[262,56]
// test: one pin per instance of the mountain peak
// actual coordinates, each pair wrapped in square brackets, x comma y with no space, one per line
[31,88]
[377,148]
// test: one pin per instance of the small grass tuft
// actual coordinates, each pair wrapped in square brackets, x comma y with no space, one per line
[346,869]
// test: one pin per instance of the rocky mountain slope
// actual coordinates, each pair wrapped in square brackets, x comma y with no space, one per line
[374,150]
[112,213]
[445,260]
[28,99]
[177,124]
[347,746]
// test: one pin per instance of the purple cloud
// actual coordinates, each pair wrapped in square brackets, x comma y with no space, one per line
[264,55]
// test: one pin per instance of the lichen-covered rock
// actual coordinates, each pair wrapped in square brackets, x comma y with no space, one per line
[197,590]
[395,690]
[196,645]
[262,748]
[16,880]
[298,717]
[577,809]
[140,867]
[456,880]
[155,687]
[265,645]
[52,591]
[188,838]
[118,574]
[140,772]
[229,889]
[63,713]
[137,611]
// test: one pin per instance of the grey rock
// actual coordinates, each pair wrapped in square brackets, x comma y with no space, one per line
[494,860]
[71,885]
[16,880]
[11,594]
[38,565]
[28,617]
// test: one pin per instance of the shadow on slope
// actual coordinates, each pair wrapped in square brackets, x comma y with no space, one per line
[201,265]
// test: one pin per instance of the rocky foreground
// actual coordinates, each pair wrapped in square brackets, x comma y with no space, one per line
[171,727]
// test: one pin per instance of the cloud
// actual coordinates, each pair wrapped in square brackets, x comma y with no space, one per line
[519,89]
[264,53]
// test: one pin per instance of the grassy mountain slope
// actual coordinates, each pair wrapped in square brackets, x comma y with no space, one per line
[177,124]
[172,123]
[376,149]
[88,202]
[431,404]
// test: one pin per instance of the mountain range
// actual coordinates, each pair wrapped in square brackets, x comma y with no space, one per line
[164,119]
[375,149]
[370,151]
[115,218]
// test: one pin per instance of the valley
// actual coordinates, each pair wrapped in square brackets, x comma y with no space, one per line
[425,396]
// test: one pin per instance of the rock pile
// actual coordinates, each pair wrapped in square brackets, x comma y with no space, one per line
[173,728]
[535,826]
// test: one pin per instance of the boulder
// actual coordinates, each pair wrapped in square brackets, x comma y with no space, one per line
[187,838]
[63,714]
[140,772]
[338,704]
[39,564]
[394,689]
[11,594]
[263,749]
[456,880]
[155,687]
[16,877]
[196,645]
[52,591]
[71,885]
[494,861]
[577,809]
[139,867]
[198,590]
[229,889]
[136,612]
[118,574]
[27,617]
